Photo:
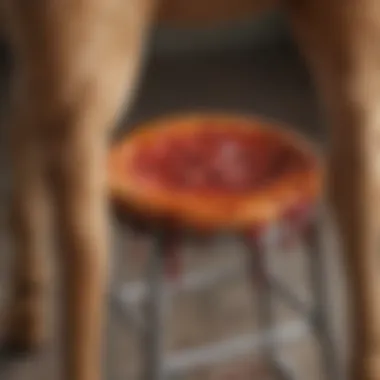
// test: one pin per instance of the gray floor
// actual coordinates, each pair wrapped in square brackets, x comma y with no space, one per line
[269,81]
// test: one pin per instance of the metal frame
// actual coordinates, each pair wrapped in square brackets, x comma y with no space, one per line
[320,318]
[156,294]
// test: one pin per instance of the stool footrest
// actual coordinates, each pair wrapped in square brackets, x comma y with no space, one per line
[233,348]
[136,292]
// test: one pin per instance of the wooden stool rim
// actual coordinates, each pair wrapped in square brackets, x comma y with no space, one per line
[261,207]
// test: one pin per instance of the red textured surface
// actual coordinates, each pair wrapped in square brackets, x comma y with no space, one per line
[213,172]
[215,161]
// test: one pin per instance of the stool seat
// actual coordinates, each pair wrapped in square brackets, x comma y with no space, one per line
[213,172]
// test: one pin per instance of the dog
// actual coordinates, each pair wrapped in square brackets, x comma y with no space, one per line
[76,66]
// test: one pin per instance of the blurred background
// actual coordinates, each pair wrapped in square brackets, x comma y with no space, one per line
[215,55]
[241,58]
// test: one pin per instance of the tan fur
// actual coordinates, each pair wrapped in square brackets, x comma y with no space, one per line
[77,61]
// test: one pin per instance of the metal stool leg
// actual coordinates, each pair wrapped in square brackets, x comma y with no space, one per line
[265,315]
[155,311]
[320,319]
[265,310]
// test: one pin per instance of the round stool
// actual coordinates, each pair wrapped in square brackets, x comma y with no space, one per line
[206,175]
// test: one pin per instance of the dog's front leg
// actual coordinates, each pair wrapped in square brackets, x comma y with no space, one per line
[76,63]
[341,41]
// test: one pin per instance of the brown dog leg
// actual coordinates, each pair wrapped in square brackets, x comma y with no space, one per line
[341,41]
[76,63]
[79,137]
[27,326]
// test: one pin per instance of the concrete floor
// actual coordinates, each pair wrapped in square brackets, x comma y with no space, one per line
[269,81]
